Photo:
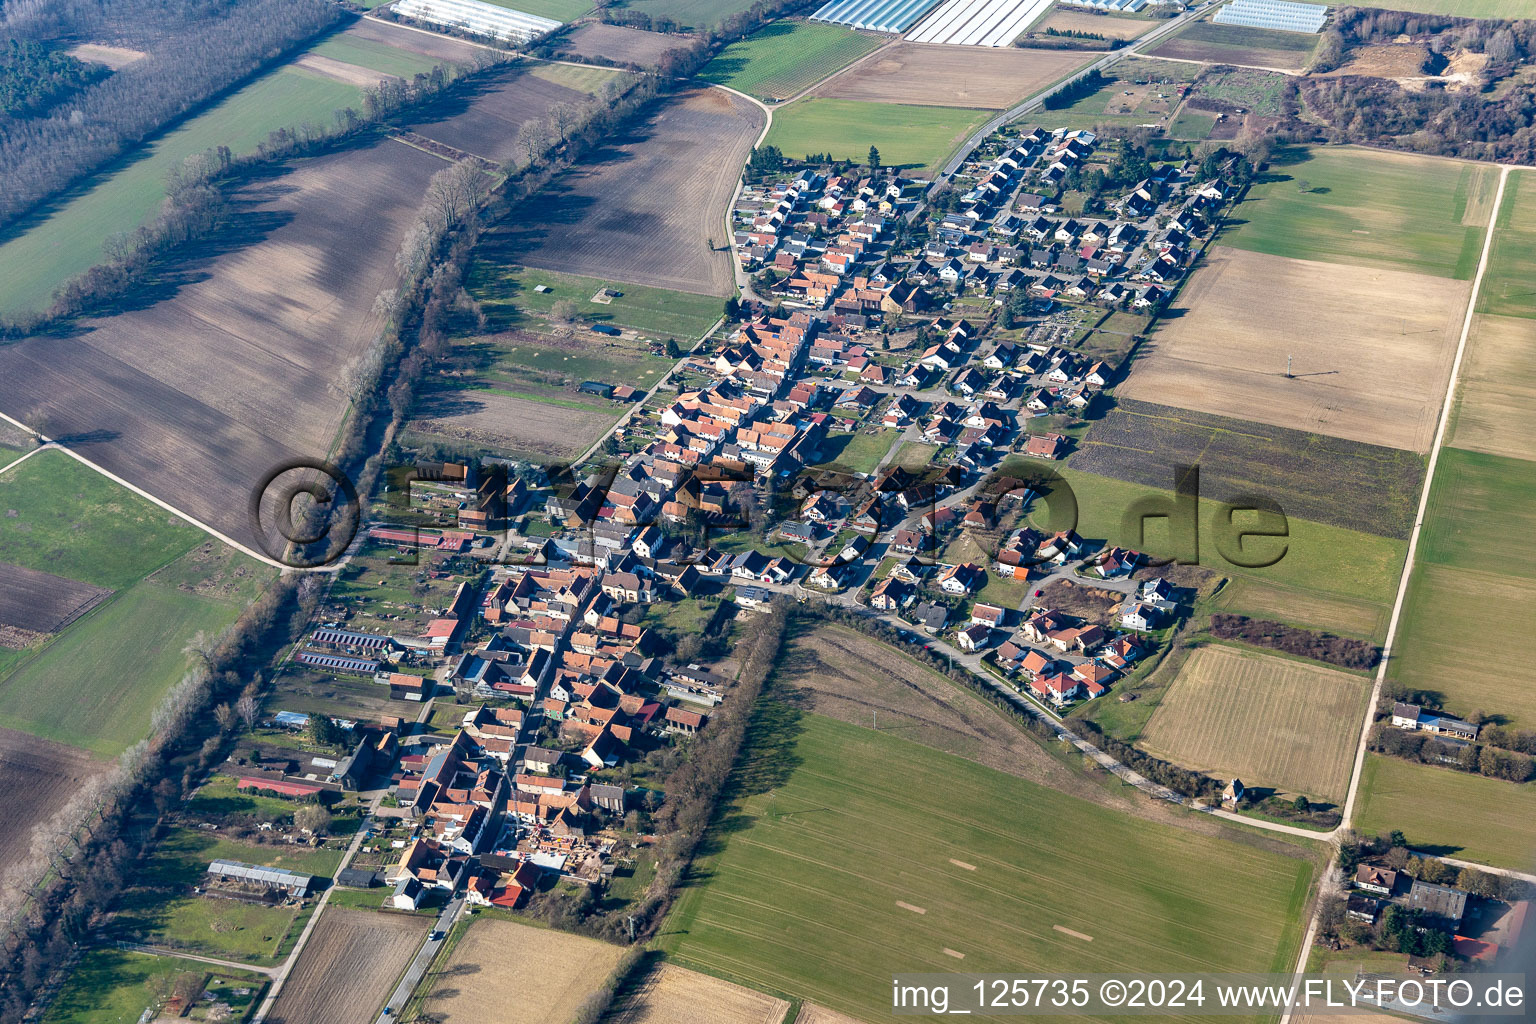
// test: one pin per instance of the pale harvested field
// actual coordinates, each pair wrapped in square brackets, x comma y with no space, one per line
[620,43]
[347,968]
[935,75]
[1372,348]
[850,677]
[113,57]
[1498,389]
[1064,20]
[511,422]
[1271,721]
[502,972]
[810,1013]
[341,71]
[203,388]
[672,995]
[428,44]
[642,209]
[37,776]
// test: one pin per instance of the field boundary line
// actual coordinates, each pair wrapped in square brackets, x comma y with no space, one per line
[24,458]
[1408,561]
[1441,429]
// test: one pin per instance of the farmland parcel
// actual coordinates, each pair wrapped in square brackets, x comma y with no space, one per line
[551,972]
[348,964]
[1369,350]
[929,74]
[234,366]
[1467,816]
[645,208]
[1271,721]
[819,890]
[671,995]
[785,57]
[906,135]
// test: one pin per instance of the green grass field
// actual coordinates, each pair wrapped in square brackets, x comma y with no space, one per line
[505,291]
[786,57]
[1191,126]
[1370,209]
[218,796]
[1258,92]
[1466,8]
[1465,816]
[687,13]
[96,685]
[831,828]
[160,907]
[368,53]
[1507,283]
[67,240]
[858,453]
[1482,511]
[1327,560]
[559,10]
[906,136]
[1447,613]
[63,517]
[118,985]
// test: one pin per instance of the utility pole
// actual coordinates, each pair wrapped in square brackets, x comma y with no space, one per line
[1288,374]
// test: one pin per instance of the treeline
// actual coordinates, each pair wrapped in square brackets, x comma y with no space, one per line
[1068,39]
[1475,758]
[1075,90]
[79,860]
[1335,650]
[33,76]
[1460,124]
[1181,780]
[41,156]
[196,208]
[1505,42]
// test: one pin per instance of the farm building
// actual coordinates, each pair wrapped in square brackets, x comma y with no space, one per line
[293,790]
[350,640]
[477,18]
[338,663]
[1285,15]
[874,15]
[978,22]
[596,387]
[272,878]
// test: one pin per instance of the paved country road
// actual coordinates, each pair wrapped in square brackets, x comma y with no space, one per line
[424,956]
